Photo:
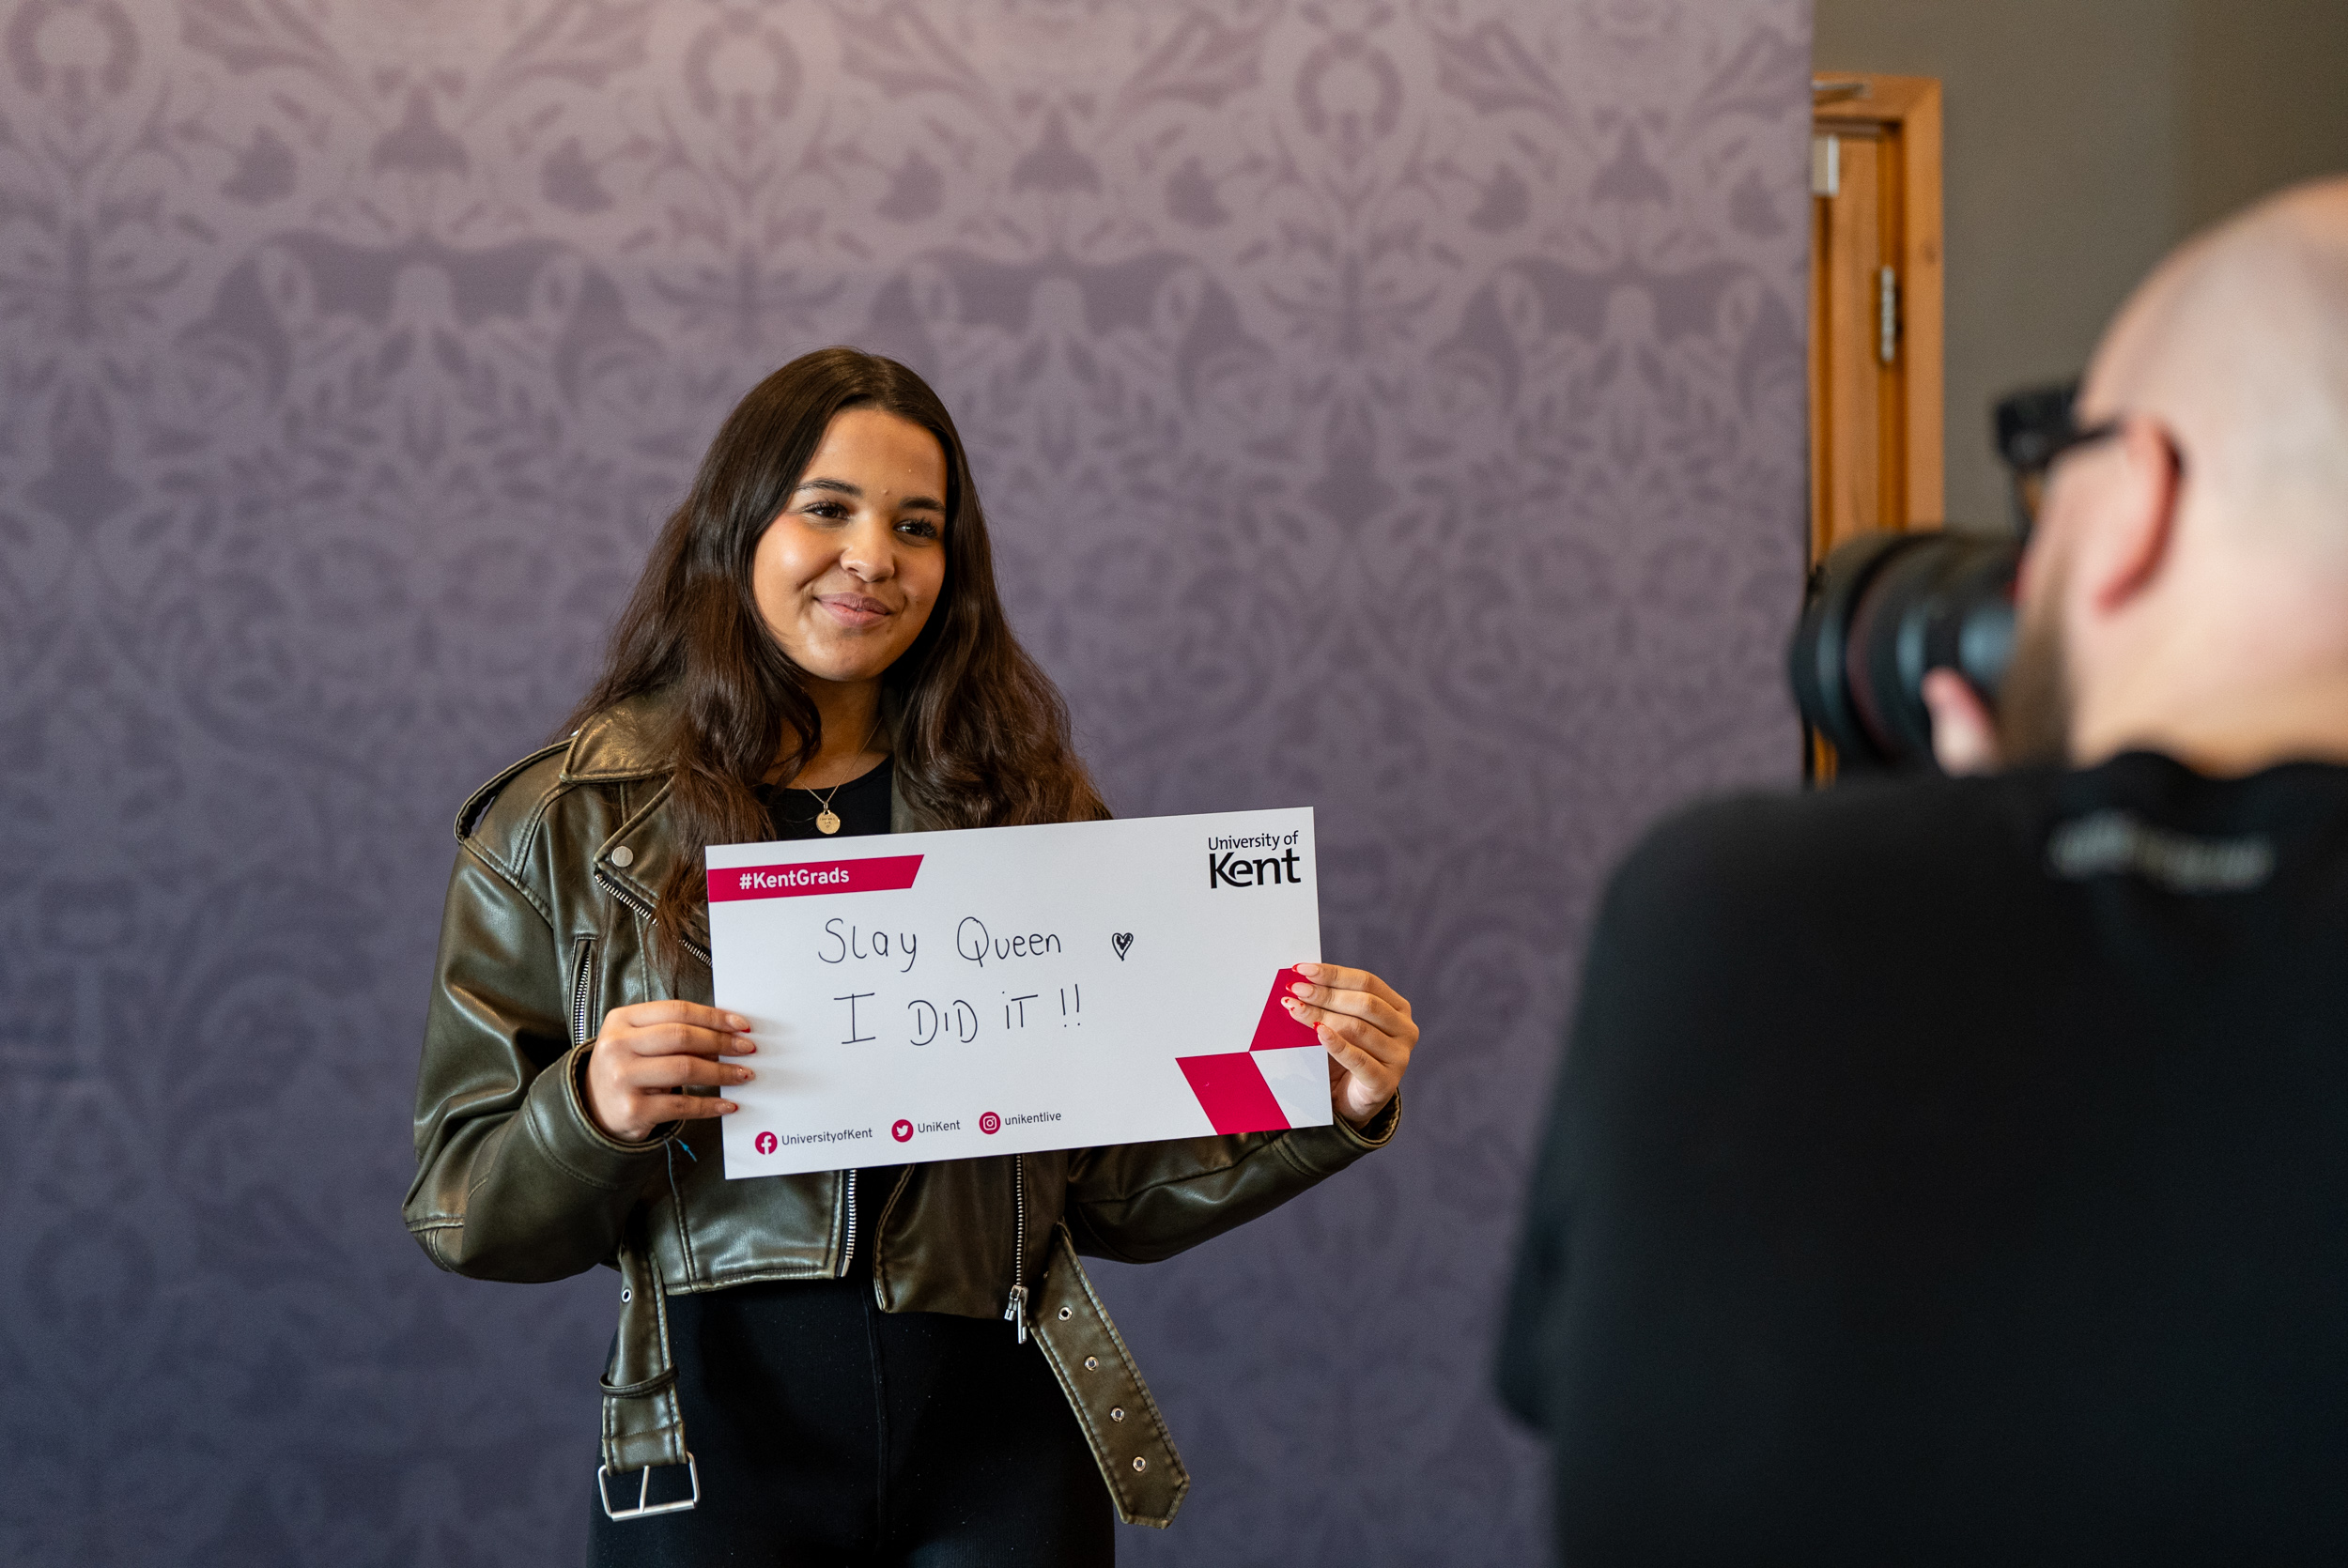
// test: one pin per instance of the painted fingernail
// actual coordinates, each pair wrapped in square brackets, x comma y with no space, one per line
[1300,989]
[743,1075]
[737,1021]
[1307,968]
[727,1108]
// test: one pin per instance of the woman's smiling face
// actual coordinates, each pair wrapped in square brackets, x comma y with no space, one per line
[846,576]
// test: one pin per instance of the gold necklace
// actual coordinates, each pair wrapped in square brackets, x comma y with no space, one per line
[826,820]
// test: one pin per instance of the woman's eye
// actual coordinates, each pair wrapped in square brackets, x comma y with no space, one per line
[919,528]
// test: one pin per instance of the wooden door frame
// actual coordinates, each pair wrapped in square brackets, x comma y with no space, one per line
[1905,110]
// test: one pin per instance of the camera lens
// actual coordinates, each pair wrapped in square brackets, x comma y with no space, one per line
[1881,612]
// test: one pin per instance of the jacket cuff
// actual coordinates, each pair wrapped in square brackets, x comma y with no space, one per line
[561,1124]
[1324,1151]
[1380,1131]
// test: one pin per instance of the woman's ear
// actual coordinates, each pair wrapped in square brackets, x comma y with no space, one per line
[2136,516]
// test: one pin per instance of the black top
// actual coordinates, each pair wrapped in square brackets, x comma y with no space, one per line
[862,805]
[1956,1171]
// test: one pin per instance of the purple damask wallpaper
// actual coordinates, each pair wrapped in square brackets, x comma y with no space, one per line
[1392,406]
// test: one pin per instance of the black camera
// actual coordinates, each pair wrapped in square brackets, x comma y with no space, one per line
[1884,609]
[1881,611]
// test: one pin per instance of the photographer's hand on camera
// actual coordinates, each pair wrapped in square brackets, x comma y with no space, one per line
[648,1054]
[1964,732]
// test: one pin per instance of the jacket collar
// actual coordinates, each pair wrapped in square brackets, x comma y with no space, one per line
[627,740]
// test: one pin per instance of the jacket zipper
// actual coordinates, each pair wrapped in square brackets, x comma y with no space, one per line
[1015,1311]
[847,1252]
[644,911]
[583,976]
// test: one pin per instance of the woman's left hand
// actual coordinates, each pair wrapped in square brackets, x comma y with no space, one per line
[1366,1024]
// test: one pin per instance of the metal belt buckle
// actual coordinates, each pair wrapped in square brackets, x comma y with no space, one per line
[644,1510]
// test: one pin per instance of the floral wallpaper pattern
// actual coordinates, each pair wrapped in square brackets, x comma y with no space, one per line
[1389,406]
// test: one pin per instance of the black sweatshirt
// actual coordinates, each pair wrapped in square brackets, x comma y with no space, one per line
[1956,1171]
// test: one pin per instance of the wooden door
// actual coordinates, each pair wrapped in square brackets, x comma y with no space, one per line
[1875,296]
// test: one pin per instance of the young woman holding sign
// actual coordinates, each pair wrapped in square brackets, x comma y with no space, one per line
[812,1367]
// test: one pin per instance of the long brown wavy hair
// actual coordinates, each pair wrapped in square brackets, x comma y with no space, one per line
[982,735]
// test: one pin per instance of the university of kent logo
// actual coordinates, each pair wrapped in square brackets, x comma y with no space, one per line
[1231,864]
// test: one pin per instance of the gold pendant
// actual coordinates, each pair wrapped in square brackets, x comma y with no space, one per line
[827,822]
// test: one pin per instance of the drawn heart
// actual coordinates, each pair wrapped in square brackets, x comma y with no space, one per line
[1124,943]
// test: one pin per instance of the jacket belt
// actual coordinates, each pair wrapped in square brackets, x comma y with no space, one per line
[642,1427]
[1122,1423]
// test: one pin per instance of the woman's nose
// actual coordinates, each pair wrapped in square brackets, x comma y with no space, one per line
[870,551]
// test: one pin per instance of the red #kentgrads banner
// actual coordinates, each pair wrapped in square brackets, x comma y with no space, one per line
[881,873]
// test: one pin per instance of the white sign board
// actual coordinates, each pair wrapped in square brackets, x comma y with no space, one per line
[945,995]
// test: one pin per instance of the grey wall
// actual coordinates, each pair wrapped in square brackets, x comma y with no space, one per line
[2263,100]
[1392,410]
[2084,138]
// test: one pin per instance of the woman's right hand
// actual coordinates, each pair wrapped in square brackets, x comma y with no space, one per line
[649,1052]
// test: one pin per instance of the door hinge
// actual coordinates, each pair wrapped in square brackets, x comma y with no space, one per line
[1886,316]
[1825,165]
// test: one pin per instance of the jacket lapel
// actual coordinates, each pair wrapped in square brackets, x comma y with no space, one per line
[638,860]
[625,742]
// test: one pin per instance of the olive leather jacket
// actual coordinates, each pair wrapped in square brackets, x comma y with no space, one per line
[546,929]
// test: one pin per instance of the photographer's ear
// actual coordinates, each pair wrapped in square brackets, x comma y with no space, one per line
[2130,515]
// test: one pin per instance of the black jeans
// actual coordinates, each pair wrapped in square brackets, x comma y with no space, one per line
[830,1432]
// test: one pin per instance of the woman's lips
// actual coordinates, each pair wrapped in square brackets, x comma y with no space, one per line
[853,610]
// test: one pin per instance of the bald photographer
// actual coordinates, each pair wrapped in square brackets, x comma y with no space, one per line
[1954,1167]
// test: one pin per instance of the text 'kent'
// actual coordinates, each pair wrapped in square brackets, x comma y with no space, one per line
[1229,868]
